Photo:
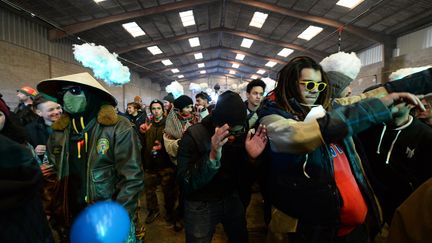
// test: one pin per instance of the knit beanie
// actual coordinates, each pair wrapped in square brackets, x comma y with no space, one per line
[182,101]
[158,102]
[4,108]
[229,109]
[169,97]
[339,82]
[29,91]
[341,68]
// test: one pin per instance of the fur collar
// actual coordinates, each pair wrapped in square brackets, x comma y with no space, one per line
[107,116]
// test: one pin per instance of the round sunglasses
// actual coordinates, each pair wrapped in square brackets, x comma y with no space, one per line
[314,85]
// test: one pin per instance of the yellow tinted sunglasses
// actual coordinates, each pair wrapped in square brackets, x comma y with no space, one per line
[313,85]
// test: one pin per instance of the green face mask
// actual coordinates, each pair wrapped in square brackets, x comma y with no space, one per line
[74,103]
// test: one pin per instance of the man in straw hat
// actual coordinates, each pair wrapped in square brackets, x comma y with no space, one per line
[96,153]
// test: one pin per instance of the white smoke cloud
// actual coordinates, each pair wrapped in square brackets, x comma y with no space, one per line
[103,63]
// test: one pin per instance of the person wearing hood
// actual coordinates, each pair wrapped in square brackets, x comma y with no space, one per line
[210,157]
[317,184]
[96,153]
[398,158]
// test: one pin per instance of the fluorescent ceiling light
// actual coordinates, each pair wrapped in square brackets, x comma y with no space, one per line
[270,64]
[235,65]
[349,3]
[261,71]
[254,77]
[246,43]
[175,70]
[232,72]
[181,76]
[194,42]
[285,52]
[258,19]
[198,55]
[203,71]
[98,1]
[310,32]
[133,29]
[187,18]
[240,57]
[167,62]
[201,65]
[154,50]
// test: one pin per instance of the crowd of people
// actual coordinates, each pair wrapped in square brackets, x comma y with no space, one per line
[331,166]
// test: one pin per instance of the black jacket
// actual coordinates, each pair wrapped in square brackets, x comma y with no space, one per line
[37,132]
[199,179]
[22,216]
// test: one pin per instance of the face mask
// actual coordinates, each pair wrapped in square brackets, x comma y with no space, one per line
[74,103]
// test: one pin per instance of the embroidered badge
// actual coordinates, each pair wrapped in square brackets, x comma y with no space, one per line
[409,152]
[102,146]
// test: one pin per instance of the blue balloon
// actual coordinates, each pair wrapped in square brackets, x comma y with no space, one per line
[104,222]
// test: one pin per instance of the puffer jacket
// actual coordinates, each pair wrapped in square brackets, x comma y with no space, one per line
[114,161]
[301,181]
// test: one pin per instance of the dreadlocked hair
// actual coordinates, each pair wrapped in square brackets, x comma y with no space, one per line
[288,85]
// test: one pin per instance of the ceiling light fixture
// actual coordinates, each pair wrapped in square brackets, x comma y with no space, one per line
[175,70]
[310,32]
[166,62]
[187,18]
[285,52]
[240,57]
[198,55]
[261,71]
[258,19]
[246,43]
[201,65]
[203,71]
[133,29]
[235,65]
[349,3]
[270,64]
[154,50]
[193,42]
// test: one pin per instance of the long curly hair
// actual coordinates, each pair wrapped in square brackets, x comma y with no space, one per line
[288,84]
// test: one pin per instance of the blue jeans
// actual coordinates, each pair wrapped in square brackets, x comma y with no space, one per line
[201,218]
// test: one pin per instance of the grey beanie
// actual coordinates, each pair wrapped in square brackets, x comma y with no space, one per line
[338,82]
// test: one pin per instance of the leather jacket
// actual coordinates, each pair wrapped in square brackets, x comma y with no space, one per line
[113,165]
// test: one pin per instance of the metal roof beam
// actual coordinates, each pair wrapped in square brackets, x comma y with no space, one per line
[54,34]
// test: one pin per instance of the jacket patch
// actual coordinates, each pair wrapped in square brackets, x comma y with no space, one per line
[102,146]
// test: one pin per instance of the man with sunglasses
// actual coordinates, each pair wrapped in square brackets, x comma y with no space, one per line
[318,188]
[210,157]
[96,153]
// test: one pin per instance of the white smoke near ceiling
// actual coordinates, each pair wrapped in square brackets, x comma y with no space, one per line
[104,64]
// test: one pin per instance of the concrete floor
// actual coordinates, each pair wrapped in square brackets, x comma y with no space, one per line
[161,232]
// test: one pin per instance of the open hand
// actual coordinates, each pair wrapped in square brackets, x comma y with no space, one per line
[219,138]
[256,141]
